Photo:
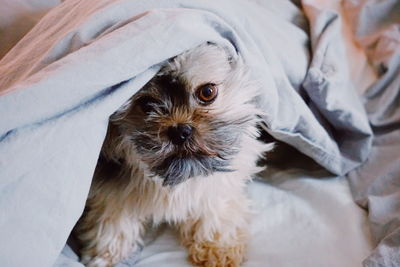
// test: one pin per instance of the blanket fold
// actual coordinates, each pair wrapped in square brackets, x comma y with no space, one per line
[376,184]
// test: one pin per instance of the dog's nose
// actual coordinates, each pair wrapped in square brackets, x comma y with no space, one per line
[180,133]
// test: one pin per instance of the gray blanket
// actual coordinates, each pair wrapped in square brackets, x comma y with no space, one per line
[85,58]
[376,184]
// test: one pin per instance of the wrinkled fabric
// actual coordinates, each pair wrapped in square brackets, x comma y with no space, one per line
[84,59]
[376,184]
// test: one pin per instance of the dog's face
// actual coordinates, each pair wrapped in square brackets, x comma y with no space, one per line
[190,118]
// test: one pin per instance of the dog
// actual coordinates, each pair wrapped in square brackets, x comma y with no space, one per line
[180,151]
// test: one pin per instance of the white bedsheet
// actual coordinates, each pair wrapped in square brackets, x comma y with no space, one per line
[298,221]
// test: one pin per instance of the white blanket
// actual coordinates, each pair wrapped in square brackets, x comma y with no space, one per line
[85,58]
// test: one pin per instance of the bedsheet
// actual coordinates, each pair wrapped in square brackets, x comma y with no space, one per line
[66,76]
[301,218]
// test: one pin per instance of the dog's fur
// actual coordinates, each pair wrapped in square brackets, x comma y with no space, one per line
[197,185]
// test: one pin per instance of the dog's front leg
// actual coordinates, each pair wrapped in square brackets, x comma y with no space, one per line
[219,237]
[108,232]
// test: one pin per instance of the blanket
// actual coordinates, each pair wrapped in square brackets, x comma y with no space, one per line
[84,59]
[376,184]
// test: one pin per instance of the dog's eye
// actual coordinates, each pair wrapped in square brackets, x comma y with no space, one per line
[207,93]
[147,103]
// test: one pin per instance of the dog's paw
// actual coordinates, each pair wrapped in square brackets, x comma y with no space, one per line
[211,254]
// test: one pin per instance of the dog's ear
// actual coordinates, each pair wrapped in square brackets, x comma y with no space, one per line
[108,168]
[121,112]
[111,145]
[232,59]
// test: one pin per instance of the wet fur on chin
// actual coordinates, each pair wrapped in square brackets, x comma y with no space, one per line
[145,175]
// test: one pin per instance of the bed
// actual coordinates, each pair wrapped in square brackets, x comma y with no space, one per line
[330,75]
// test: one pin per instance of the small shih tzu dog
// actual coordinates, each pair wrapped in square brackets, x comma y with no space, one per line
[179,151]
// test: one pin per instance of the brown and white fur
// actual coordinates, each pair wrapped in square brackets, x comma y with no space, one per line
[197,185]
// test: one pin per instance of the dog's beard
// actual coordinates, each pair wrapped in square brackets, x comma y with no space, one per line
[170,99]
[176,169]
[176,164]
